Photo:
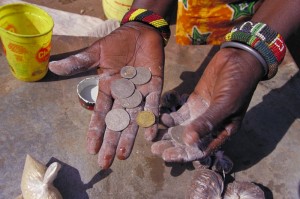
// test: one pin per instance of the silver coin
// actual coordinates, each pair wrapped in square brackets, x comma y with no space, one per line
[143,75]
[117,119]
[128,72]
[176,134]
[132,101]
[122,88]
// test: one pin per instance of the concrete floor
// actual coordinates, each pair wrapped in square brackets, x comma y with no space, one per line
[45,119]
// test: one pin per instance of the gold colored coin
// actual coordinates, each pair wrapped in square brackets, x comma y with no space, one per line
[145,119]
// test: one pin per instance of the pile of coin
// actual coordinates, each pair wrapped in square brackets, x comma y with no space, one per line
[124,90]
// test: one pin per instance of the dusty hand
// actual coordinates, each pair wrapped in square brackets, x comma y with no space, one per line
[215,109]
[132,44]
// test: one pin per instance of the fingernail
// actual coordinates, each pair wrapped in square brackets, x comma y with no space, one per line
[122,153]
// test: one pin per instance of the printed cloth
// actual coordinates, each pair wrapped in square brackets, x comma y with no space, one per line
[208,21]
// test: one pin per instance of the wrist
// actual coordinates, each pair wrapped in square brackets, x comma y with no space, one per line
[150,18]
[249,63]
[145,31]
[251,51]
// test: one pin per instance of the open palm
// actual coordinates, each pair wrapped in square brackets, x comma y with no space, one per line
[215,109]
[133,44]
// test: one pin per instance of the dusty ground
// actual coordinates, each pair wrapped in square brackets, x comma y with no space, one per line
[44,119]
[86,7]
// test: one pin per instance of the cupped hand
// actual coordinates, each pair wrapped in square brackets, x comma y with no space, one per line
[133,44]
[214,110]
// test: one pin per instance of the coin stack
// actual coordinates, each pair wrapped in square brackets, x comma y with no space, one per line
[125,91]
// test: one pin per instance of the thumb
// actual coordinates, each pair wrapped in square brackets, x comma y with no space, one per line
[83,61]
[210,121]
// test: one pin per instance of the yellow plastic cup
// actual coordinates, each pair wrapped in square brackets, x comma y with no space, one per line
[115,9]
[26,32]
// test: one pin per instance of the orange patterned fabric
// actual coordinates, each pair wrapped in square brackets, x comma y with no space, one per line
[207,21]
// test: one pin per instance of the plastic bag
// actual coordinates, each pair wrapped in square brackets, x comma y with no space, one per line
[243,190]
[37,180]
[205,184]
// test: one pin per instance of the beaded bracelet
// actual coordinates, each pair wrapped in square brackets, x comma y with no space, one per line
[150,18]
[268,43]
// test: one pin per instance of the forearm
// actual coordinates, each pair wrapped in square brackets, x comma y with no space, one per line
[161,7]
[281,16]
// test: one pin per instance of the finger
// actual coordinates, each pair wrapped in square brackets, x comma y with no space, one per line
[157,148]
[80,62]
[216,143]
[182,153]
[152,104]
[222,137]
[95,132]
[190,136]
[102,107]
[108,149]
[217,116]
[110,142]
[200,126]
[165,141]
[175,118]
[193,108]
[128,136]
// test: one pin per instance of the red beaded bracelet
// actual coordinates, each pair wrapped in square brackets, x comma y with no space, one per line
[150,18]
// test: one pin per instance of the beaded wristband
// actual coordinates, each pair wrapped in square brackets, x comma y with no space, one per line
[150,18]
[269,44]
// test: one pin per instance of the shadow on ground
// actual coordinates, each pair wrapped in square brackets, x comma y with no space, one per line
[265,125]
[69,183]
